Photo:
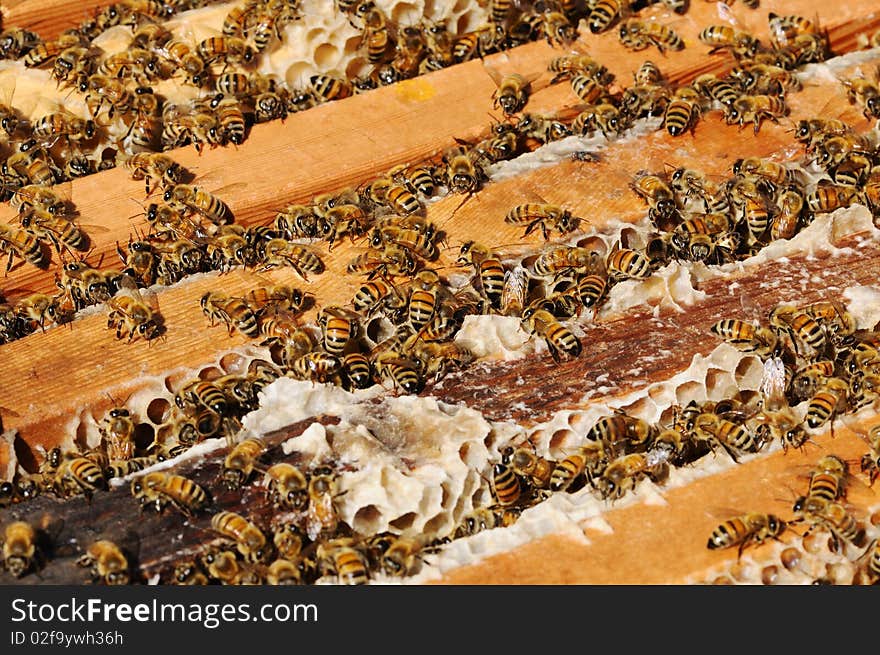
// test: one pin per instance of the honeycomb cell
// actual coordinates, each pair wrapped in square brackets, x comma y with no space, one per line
[158,410]
[770,575]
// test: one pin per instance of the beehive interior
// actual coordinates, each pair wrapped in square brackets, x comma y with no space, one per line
[420,466]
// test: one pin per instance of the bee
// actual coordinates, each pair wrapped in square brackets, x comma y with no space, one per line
[297,221]
[869,573]
[322,515]
[636,34]
[250,541]
[785,222]
[543,128]
[189,197]
[828,481]
[488,268]
[506,486]
[714,429]
[32,163]
[829,400]
[20,243]
[463,174]
[233,311]
[402,371]
[560,340]
[834,517]
[153,168]
[623,474]
[328,88]
[372,295]
[658,194]
[288,486]
[512,92]
[870,461]
[534,215]
[106,562]
[781,424]
[123,467]
[201,394]
[602,15]
[420,243]
[228,49]
[486,518]
[101,90]
[188,573]
[240,462]
[865,94]
[289,541]
[557,29]
[315,366]
[20,551]
[117,429]
[749,528]
[303,260]
[746,336]
[63,124]
[755,109]
[342,560]
[828,197]
[805,332]
[35,196]
[625,263]
[17,42]
[683,111]
[77,475]
[133,316]
[589,460]
[524,462]
[56,229]
[724,37]
[161,488]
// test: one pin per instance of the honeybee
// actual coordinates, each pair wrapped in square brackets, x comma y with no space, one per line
[233,311]
[117,429]
[134,315]
[302,259]
[19,243]
[33,163]
[557,28]
[864,93]
[17,42]
[746,336]
[506,486]
[755,109]
[288,486]
[401,555]
[682,111]
[315,366]
[106,562]
[559,339]
[724,37]
[512,92]
[637,34]
[420,243]
[624,473]
[805,332]
[543,128]
[659,196]
[341,559]
[189,197]
[289,541]
[228,49]
[834,517]
[625,263]
[20,552]
[749,528]
[160,489]
[589,459]
[534,215]
[62,124]
[870,461]
[154,168]
[485,518]
[831,399]
[322,515]
[716,430]
[240,462]
[463,174]
[828,197]
[77,475]
[249,540]
[524,462]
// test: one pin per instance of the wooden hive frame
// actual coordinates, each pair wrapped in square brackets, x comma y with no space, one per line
[345,143]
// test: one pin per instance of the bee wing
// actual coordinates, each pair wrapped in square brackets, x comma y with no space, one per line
[496,75]
[773,383]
